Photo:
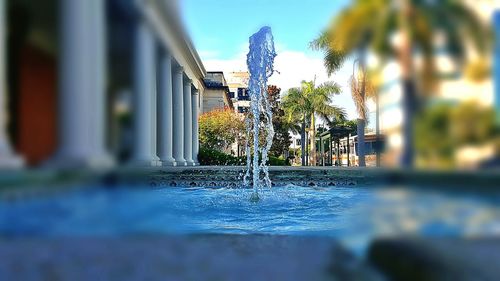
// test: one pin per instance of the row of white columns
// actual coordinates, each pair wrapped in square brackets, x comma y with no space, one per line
[165,117]
[173,103]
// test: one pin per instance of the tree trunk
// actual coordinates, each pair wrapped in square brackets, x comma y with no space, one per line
[362,120]
[307,147]
[378,146]
[313,140]
[409,109]
[361,142]
[409,87]
[303,141]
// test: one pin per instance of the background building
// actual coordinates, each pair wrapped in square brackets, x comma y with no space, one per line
[217,94]
[238,85]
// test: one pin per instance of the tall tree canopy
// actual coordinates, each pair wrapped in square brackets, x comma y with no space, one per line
[310,102]
[281,140]
[373,24]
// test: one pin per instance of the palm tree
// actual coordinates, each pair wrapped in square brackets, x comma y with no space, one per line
[373,23]
[361,88]
[296,110]
[309,102]
[334,59]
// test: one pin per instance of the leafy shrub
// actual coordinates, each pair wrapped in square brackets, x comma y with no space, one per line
[211,157]
[441,129]
[277,161]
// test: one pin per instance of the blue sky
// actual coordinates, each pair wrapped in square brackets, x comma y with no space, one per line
[220,27]
[220,30]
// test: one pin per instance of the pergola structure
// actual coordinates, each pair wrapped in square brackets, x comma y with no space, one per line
[327,140]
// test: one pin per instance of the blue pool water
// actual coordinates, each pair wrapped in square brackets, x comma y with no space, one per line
[353,215]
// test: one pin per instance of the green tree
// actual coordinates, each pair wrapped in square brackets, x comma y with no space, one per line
[371,24]
[309,102]
[281,140]
[296,109]
[443,128]
[435,146]
[220,128]
[472,124]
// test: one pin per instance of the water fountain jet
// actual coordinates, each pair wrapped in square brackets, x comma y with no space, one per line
[260,62]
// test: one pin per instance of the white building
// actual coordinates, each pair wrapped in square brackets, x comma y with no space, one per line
[238,85]
[72,63]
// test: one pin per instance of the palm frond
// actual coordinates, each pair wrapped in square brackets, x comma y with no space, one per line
[357,96]
[320,43]
[330,88]
[468,23]
[332,114]
[334,60]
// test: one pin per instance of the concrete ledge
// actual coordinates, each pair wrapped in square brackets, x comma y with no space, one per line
[437,259]
[199,257]
[13,183]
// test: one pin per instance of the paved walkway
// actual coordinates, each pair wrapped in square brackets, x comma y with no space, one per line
[202,257]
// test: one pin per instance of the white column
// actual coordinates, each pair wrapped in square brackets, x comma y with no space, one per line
[188,125]
[165,111]
[82,68]
[195,103]
[73,84]
[7,157]
[178,116]
[97,99]
[144,97]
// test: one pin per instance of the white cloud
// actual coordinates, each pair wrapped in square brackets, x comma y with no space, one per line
[208,54]
[292,68]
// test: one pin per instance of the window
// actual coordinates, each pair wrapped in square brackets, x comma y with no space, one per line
[243,94]
[371,147]
[242,109]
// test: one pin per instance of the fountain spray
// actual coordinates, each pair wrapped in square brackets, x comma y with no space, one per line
[260,62]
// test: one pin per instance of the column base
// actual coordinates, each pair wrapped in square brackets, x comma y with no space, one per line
[168,164]
[62,161]
[145,163]
[102,161]
[11,161]
[190,163]
[180,163]
[196,164]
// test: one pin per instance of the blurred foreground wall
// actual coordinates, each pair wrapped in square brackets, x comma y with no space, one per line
[476,85]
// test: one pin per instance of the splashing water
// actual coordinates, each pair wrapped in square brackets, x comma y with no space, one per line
[260,62]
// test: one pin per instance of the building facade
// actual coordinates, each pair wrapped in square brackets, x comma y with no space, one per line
[93,83]
[238,87]
[217,94]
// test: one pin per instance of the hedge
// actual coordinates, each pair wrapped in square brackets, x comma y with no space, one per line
[213,157]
